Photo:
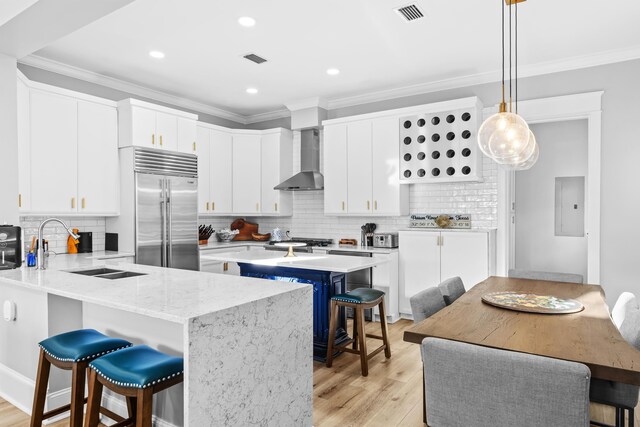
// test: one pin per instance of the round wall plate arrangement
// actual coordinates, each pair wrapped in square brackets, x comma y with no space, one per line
[441,146]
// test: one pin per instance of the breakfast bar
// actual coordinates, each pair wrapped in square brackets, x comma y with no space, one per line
[243,339]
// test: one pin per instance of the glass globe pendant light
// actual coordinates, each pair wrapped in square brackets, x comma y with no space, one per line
[505,137]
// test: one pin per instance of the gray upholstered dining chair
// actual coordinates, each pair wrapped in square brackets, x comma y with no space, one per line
[469,385]
[452,289]
[624,397]
[625,301]
[426,303]
[546,275]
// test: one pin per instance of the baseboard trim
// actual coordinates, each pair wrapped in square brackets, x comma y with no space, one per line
[16,389]
[118,405]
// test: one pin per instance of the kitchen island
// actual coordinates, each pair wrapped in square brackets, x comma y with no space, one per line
[246,342]
[327,274]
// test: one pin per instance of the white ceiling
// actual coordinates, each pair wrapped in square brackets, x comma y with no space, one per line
[372,46]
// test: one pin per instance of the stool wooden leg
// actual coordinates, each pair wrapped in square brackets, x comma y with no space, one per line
[333,320]
[94,401]
[131,407]
[362,336]
[40,394]
[355,332]
[78,378]
[144,407]
[383,326]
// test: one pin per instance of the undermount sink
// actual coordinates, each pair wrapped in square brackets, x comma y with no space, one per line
[107,273]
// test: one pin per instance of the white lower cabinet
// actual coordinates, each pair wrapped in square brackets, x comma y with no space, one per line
[429,257]
[221,267]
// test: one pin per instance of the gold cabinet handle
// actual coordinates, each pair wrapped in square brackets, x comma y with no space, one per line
[207,205]
[213,206]
[368,205]
[153,139]
[83,202]
[161,140]
[19,200]
[73,203]
[342,205]
[275,205]
[225,266]
[194,146]
[375,205]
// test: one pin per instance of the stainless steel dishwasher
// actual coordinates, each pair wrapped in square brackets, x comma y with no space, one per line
[357,279]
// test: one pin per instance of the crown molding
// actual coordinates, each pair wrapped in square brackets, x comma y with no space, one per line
[132,88]
[550,67]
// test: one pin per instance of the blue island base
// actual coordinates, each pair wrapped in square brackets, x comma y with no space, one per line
[325,284]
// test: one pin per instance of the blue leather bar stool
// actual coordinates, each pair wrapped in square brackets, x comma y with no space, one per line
[359,299]
[137,373]
[71,351]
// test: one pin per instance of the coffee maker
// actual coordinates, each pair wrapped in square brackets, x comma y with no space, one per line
[10,247]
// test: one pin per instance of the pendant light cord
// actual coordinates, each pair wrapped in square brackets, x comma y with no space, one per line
[516,58]
[502,3]
[510,52]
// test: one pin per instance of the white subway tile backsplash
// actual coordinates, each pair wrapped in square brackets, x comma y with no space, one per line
[57,235]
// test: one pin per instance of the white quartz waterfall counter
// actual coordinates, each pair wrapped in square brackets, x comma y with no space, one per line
[318,262]
[246,342]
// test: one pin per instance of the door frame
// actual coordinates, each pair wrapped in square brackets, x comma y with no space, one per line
[582,106]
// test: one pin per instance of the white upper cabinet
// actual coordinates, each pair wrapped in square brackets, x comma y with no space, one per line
[221,172]
[143,124]
[361,158]
[389,198]
[335,179]
[276,154]
[187,136]
[246,174]
[97,158]
[204,169]
[68,152]
[359,167]
[24,166]
[54,159]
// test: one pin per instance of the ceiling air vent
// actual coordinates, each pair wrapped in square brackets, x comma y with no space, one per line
[255,58]
[410,12]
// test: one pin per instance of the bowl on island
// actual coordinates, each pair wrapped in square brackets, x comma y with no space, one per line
[226,235]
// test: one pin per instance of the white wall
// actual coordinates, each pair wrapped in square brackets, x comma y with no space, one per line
[563,153]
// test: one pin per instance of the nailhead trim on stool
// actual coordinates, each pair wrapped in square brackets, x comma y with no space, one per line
[134,385]
[93,356]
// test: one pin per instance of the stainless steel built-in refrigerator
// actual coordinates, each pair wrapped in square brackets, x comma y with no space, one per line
[164,221]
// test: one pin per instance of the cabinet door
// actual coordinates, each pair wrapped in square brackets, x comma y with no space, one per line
[187,136]
[143,128]
[98,172]
[465,254]
[270,149]
[246,174]
[204,169]
[419,264]
[24,168]
[221,172]
[359,167]
[386,181]
[335,169]
[167,131]
[54,157]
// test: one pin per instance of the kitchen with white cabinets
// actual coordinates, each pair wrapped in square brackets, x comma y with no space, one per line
[244,215]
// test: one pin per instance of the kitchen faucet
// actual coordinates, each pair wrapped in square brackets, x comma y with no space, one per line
[40,257]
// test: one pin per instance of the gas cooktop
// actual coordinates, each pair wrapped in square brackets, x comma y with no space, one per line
[307,241]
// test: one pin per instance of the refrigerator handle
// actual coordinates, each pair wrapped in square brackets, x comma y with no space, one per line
[169,226]
[163,225]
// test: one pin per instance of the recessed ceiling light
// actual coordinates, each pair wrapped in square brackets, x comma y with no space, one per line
[252,90]
[247,21]
[156,54]
[333,71]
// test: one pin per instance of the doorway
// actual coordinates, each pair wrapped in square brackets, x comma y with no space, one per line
[550,202]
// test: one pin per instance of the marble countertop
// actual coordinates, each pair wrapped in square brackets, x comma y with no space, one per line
[335,246]
[306,261]
[164,293]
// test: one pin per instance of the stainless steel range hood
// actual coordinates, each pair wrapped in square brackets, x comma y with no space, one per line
[309,178]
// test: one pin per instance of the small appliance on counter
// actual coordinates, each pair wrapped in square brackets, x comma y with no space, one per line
[10,247]
[385,240]
[366,236]
[86,242]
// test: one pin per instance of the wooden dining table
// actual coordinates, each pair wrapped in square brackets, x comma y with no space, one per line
[587,337]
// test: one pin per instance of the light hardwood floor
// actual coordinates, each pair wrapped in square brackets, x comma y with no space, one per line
[390,396]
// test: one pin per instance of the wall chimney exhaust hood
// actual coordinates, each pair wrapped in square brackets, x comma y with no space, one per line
[309,178]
